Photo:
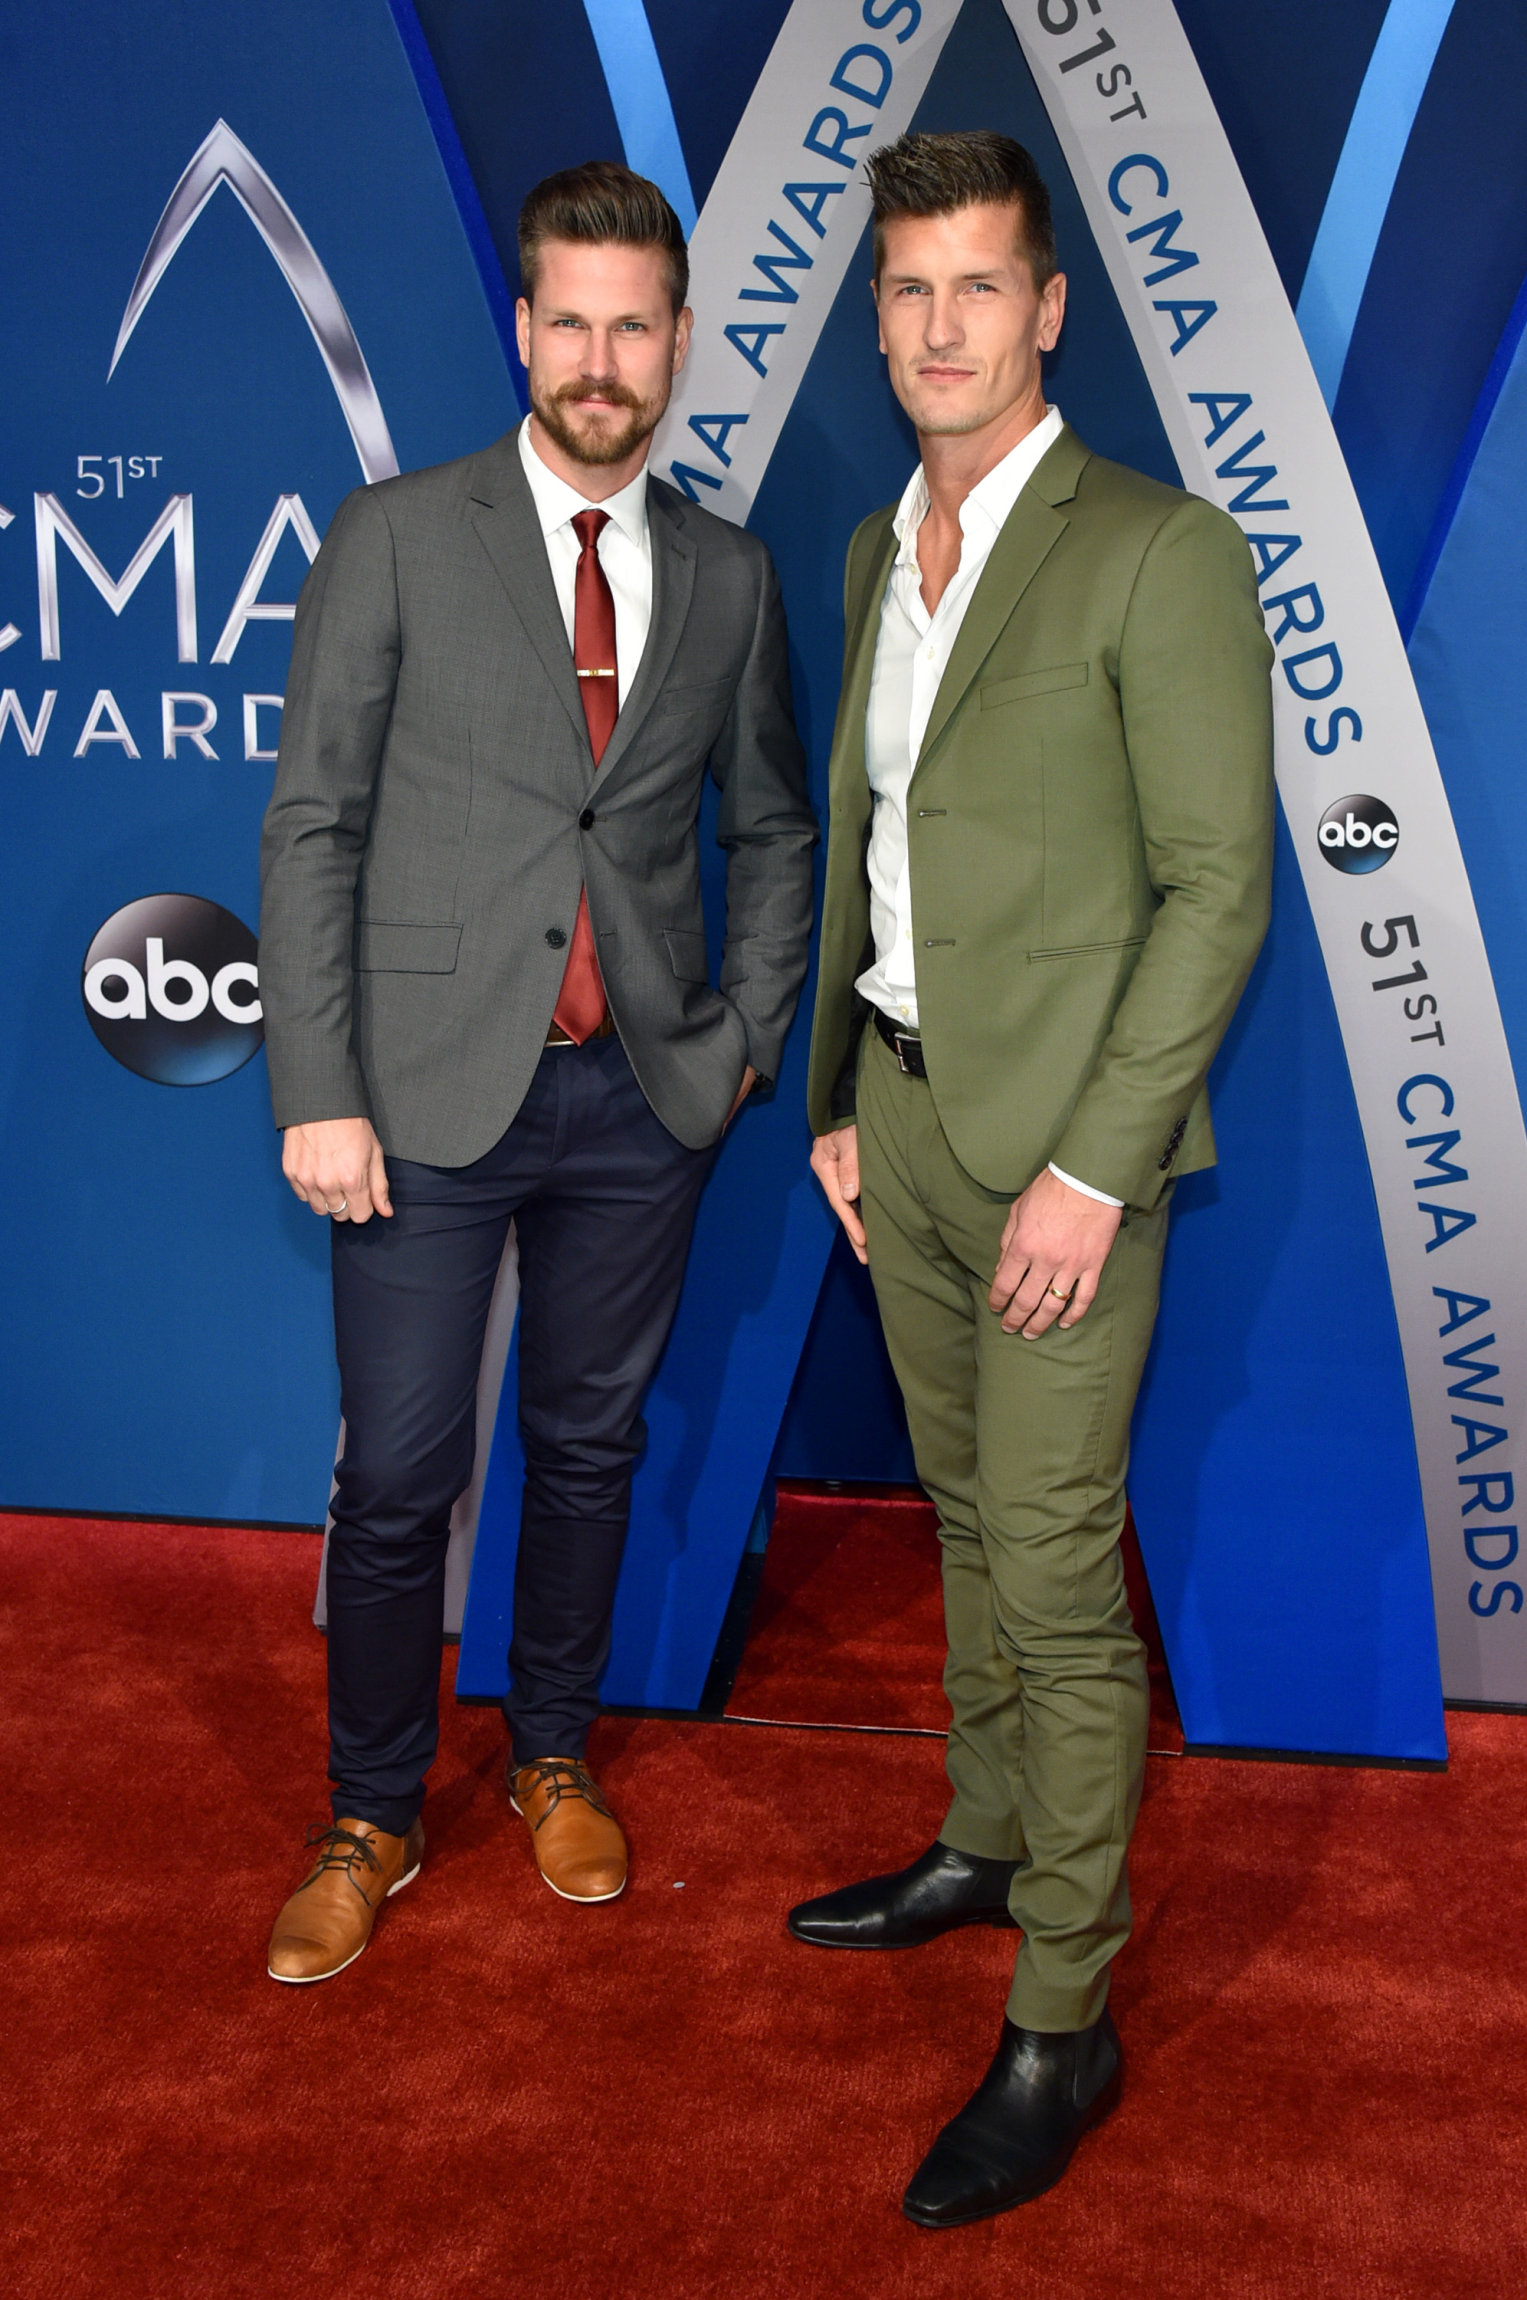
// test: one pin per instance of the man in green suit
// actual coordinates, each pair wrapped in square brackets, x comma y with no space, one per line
[1047,880]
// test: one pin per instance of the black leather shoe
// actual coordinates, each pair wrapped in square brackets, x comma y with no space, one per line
[1015,2135]
[942,1890]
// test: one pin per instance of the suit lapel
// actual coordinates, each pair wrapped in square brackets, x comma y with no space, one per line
[848,777]
[504,515]
[1032,529]
[673,583]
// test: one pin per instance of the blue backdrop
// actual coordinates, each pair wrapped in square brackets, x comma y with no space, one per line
[165,1294]
[168,1295]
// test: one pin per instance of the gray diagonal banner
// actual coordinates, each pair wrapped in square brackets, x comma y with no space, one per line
[1356,772]
[780,226]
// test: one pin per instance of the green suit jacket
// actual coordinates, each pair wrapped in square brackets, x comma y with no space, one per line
[1090,824]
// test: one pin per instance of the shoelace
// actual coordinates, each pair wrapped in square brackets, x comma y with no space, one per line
[560,1777]
[331,1857]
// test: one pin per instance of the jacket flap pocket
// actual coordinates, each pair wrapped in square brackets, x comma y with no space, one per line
[1032,683]
[1088,949]
[391,946]
[686,953]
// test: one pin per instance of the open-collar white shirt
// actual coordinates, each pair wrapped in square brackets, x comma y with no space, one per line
[912,653]
[624,547]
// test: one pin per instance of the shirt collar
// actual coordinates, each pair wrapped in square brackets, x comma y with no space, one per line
[556,503]
[989,501]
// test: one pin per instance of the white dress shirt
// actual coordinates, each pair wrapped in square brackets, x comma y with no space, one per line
[624,547]
[911,655]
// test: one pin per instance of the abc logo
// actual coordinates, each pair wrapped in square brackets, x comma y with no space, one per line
[1358,834]
[171,989]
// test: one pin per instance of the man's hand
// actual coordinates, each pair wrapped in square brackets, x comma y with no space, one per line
[835,1163]
[336,1164]
[749,1081]
[1054,1244]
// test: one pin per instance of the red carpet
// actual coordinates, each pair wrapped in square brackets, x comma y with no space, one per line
[1323,2007]
[848,1625]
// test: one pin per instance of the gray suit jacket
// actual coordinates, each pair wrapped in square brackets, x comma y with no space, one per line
[436,812]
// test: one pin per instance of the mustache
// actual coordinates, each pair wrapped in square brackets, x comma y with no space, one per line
[618,395]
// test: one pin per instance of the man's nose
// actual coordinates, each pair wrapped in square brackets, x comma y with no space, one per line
[943,329]
[598,360]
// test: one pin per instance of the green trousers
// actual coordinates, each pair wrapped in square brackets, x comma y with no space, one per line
[1023,1448]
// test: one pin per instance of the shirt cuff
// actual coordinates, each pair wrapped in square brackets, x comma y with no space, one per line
[1103,1197]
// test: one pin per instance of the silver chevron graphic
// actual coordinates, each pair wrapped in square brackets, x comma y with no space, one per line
[222,159]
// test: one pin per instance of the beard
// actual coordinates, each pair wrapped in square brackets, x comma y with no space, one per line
[938,421]
[949,426]
[593,445]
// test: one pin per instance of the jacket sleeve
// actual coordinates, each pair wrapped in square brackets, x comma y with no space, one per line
[1194,668]
[768,829]
[345,654]
[842,1012]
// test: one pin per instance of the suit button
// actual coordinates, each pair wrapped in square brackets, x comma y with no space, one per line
[587,819]
[555,937]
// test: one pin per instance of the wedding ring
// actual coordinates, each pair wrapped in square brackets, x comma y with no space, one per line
[1059,1296]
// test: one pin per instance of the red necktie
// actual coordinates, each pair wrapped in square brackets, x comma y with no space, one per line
[581,1005]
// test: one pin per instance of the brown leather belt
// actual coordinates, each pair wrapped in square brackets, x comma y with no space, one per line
[605,1029]
[904,1044]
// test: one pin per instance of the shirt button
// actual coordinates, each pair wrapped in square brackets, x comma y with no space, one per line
[555,937]
[587,819]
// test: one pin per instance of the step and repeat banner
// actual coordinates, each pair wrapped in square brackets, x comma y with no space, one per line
[250,269]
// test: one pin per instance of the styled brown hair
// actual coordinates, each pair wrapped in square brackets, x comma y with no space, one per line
[936,175]
[601,204]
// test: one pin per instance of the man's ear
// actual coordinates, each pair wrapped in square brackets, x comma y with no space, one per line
[522,328]
[683,330]
[1053,311]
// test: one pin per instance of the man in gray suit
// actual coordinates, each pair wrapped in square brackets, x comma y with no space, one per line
[483,965]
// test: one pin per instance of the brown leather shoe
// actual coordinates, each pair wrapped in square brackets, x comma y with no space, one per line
[576,1838]
[328,1920]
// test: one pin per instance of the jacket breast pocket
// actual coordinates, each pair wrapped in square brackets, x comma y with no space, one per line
[1030,683]
[677,702]
[399,946]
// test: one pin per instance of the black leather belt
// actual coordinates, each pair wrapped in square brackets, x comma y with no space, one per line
[904,1044]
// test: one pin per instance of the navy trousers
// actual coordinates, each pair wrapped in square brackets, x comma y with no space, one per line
[604,1200]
